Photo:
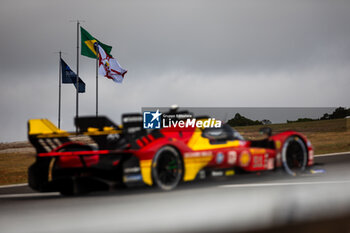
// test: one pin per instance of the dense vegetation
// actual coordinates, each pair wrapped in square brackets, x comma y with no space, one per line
[338,113]
[240,120]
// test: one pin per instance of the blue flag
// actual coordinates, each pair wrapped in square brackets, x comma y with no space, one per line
[68,76]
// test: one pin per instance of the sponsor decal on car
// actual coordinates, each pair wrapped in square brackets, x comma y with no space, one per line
[258,161]
[131,169]
[278,144]
[311,154]
[132,178]
[219,158]
[201,174]
[112,137]
[197,154]
[229,173]
[231,157]
[278,159]
[244,158]
[270,164]
[217,173]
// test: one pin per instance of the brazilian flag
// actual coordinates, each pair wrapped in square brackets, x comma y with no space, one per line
[88,44]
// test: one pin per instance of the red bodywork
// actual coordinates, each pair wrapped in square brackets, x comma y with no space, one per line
[256,158]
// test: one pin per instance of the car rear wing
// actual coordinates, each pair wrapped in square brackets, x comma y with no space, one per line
[43,126]
[46,137]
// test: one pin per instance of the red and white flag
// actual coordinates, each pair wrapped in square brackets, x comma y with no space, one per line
[109,67]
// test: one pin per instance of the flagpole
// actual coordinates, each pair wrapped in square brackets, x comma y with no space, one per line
[59,89]
[77,81]
[97,57]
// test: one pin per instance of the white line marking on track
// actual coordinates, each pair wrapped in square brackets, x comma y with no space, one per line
[331,154]
[13,185]
[282,184]
[29,195]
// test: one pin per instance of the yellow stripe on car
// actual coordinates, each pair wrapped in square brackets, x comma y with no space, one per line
[197,142]
[146,171]
[42,126]
[193,165]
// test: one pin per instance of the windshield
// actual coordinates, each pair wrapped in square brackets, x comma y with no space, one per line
[223,133]
[235,134]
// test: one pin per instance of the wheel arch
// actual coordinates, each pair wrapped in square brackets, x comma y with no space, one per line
[283,158]
[303,139]
[180,156]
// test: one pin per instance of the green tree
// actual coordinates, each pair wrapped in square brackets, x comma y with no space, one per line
[240,120]
[338,113]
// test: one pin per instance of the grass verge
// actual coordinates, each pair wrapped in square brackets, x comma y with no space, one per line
[326,136]
[13,167]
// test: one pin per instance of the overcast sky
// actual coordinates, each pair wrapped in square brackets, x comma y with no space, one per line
[192,53]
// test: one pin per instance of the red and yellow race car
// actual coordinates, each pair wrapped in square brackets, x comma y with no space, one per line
[102,155]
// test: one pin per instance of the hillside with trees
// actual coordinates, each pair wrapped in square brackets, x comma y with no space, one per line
[240,120]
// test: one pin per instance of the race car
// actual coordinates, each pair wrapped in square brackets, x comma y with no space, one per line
[102,155]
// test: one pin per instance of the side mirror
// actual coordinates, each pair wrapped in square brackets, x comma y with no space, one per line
[266,130]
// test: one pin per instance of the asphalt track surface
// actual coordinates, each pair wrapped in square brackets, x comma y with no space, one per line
[241,203]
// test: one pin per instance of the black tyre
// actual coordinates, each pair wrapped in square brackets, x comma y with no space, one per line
[38,174]
[294,155]
[167,168]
